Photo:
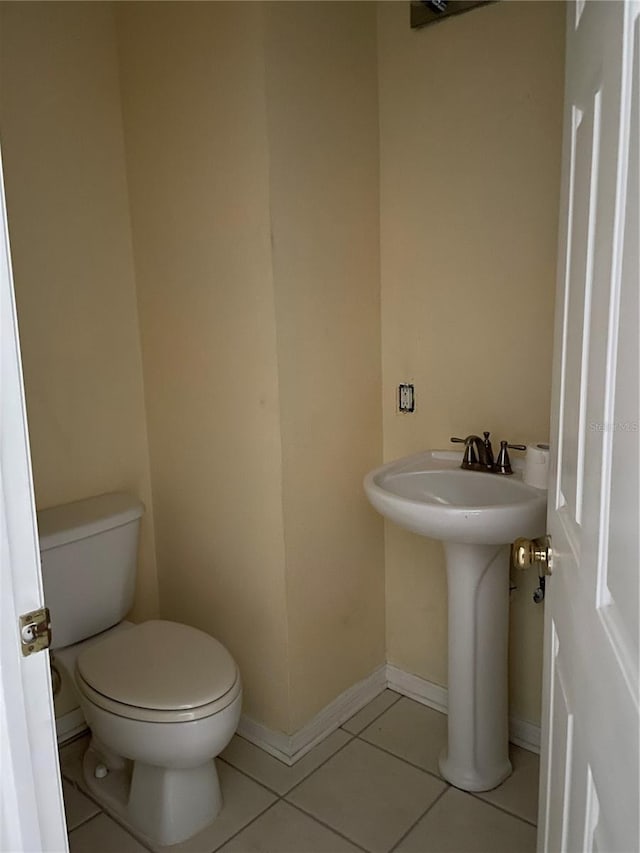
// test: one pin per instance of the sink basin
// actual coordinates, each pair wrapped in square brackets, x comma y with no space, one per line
[431,495]
[476,515]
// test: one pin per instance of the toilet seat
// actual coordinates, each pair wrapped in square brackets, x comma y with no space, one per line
[144,715]
[159,671]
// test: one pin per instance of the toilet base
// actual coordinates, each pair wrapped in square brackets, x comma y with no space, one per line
[160,805]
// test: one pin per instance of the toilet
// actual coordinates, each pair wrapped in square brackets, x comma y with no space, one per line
[161,699]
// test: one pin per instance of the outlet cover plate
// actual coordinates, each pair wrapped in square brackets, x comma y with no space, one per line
[406,398]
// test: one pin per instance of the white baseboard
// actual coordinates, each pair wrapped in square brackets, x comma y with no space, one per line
[524,734]
[521,732]
[69,725]
[275,743]
[290,748]
[414,687]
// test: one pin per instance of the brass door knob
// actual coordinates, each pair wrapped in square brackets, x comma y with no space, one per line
[529,552]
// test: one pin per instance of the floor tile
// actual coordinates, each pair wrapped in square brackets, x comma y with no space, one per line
[285,829]
[71,758]
[244,799]
[411,731]
[275,774]
[519,793]
[102,835]
[367,795]
[369,713]
[461,823]
[77,807]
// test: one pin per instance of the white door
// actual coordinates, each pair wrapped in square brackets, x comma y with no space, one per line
[589,769]
[32,816]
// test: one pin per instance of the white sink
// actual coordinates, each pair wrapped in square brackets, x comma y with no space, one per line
[475,515]
[431,495]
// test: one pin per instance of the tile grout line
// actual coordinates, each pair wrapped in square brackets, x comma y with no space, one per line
[444,781]
[282,797]
[328,826]
[113,817]
[387,752]
[86,793]
[352,736]
[501,808]
[246,825]
[308,776]
[83,822]
[404,760]
[300,781]
[250,777]
[417,821]
[372,721]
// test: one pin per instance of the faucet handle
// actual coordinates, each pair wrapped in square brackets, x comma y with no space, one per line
[503,463]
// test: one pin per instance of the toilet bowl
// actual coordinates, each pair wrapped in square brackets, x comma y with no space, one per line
[161,699]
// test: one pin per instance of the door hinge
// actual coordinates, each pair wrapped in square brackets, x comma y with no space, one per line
[35,631]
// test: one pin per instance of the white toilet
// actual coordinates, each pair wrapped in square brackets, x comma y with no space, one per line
[161,699]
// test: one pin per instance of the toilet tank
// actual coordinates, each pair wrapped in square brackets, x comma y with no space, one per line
[88,551]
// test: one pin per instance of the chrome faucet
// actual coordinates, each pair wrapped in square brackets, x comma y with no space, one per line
[478,454]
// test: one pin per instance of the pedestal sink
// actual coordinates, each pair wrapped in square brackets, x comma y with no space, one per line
[476,515]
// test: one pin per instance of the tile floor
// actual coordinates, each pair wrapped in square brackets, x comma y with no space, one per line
[372,785]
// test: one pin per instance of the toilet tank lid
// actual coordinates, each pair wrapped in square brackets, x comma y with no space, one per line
[71,522]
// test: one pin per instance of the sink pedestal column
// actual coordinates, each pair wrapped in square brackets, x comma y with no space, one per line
[477,757]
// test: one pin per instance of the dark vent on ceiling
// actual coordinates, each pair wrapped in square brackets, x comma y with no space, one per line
[424,12]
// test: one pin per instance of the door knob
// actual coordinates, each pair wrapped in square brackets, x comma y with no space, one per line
[528,552]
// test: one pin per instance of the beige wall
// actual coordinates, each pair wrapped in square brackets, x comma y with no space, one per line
[323,146]
[195,123]
[72,260]
[259,313]
[470,118]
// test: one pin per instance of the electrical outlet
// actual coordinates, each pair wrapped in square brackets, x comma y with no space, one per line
[406,398]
